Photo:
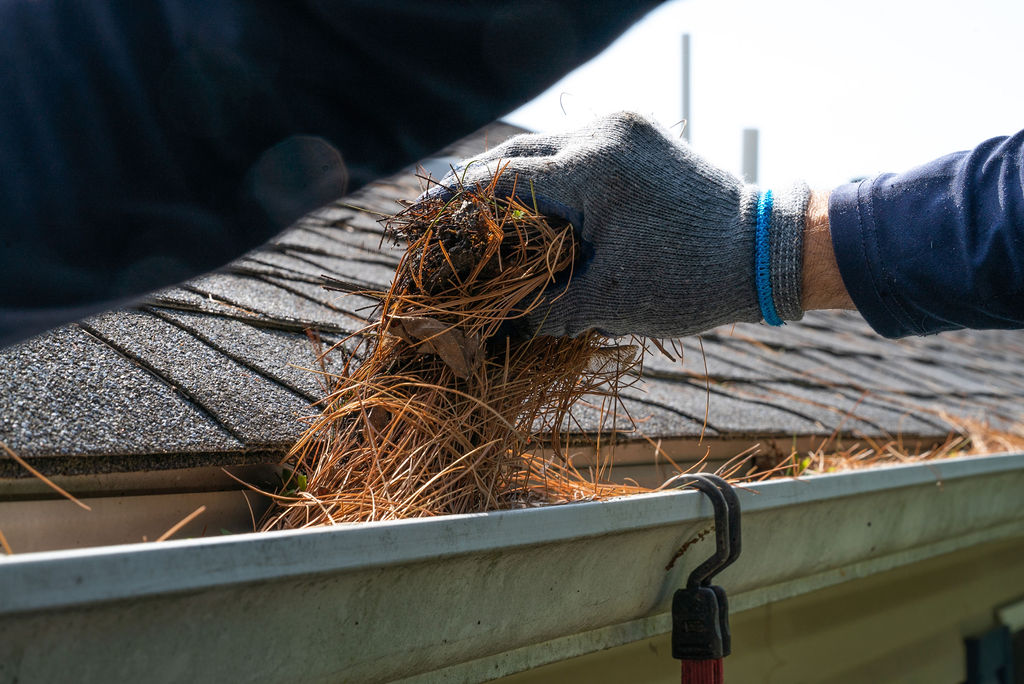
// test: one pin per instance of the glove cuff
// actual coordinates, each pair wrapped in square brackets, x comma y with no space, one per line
[778,219]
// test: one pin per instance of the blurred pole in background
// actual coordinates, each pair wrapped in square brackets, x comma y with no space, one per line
[750,155]
[686,87]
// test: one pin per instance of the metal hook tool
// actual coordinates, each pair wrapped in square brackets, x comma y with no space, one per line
[700,612]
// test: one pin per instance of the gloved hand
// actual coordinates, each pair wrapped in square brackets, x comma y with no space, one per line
[669,239]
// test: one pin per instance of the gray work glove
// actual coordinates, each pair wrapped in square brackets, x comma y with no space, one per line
[669,239]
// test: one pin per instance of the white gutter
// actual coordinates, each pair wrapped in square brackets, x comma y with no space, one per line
[475,596]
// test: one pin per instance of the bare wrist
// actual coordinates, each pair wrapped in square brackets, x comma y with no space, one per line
[823,286]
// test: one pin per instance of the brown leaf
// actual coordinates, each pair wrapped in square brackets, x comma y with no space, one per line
[431,336]
[378,417]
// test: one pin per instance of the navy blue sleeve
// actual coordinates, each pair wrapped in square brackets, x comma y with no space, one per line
[142,143]
[940,247]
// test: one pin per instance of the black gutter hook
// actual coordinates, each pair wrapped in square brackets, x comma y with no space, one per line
[700,612]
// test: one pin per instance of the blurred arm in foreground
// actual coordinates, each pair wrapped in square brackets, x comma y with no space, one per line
[142,143]
[673,245]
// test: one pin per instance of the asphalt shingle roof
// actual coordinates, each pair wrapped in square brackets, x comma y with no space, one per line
[212,372]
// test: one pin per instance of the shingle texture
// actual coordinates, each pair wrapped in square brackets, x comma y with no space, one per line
[215,371]
[69,402]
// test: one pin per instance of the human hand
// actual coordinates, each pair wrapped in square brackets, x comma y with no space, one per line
[669,240]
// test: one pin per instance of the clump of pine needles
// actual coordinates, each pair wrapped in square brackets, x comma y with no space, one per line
[442,411]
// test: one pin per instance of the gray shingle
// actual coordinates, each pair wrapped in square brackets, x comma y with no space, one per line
[260,298]
[181,297]
[67,394]
[310,268]
[859,371]
[723,363]
[726,414]
[377,276]
[797,366]
[846,339]
[954,358]
[850,412]
[258,411]
[1004,416]
[285,356]
[269,264]
[340,242]
[351,311]
[652,420]
[935,379]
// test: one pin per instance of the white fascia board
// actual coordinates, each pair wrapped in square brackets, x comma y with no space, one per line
[407,597]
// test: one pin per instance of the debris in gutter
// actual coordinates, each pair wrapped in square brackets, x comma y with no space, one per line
[970,438]
[181,523]
[42,478]
[439,408]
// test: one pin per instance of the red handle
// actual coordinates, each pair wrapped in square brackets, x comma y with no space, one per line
[702,672]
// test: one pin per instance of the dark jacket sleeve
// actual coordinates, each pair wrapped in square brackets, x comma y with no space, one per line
[142,143]
[939,247]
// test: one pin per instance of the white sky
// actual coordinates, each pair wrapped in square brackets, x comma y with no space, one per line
[837,89]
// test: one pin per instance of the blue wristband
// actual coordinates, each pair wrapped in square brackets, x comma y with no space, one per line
[762,260]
